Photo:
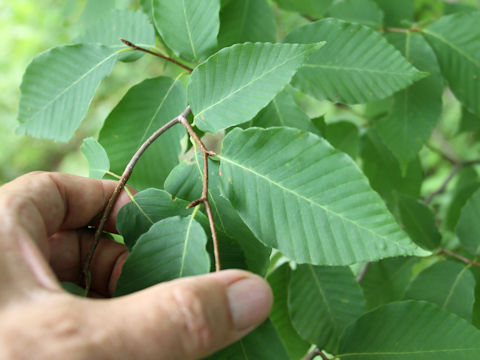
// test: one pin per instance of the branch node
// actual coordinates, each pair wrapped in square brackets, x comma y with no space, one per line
[195,203]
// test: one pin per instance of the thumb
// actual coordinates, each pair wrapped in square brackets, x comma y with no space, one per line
[188,318]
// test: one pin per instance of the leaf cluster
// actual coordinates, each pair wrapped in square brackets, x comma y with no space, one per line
[334,164]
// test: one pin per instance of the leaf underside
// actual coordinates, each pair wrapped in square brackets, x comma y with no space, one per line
[299,195]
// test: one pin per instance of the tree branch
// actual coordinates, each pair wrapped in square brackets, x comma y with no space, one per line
[458,257]
[85,275]
[169,59]
[458,166]
[316,352]
[204,197]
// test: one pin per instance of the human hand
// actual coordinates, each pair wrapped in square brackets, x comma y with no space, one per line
[44,238]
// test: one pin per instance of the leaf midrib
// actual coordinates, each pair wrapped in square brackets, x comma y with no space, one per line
[361,70]
[252,81]
[61,93]
[223,158]
[453,46]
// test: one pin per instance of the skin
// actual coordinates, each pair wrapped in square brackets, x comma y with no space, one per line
[44,239]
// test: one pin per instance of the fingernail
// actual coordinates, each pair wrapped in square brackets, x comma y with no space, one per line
[250,302]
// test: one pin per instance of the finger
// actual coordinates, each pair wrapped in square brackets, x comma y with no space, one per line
[185,319]
[35,206]
[69,249]
[63,201]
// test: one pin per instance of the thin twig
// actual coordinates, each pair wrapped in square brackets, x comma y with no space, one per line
[173,61]
[363,272]
[444,184]
[458,166]
[309,18]
[316,352]
[459,257]
[442,154]
[204,197]
[120,185]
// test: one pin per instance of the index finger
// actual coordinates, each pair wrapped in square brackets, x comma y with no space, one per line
[63,201]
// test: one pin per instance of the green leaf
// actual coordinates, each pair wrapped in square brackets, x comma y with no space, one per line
[237,82]
[146,6]
[57,89]
[469,122]
[397,12]
[263,343]
[468,226]
[344,136]
[145,108]
[419,222]
[246,21]
[384,172]
[448,284]
[357,65]
[322,302]
[284,111]
[416,110]
[147,208]
[73,288]
[185,182]
[476,305]
[315,8]
[97,157]
[299,195]
[280,317]
[172,248]
[365,12]
[455,40]
[410,330]
[126,24]
[468,183]
[188,27]
[387,280]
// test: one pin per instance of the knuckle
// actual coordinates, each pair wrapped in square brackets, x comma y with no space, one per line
[197,322]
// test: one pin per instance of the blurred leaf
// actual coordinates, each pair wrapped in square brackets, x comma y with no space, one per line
[73,288]
[299,195]
[322,302]
[126,24]
[448,284]
[454,39]
[170,249]
[384,172]
[476,305]
[188,27]
[419,222]
[263,343]
[468,226]
[344,136]
[57,89]
[185,182]
[410,330]
[469,122]
[314,8]
[397,12]
[357,65]
[280,317]
[417,109]
[145,108]
[386,280]
[365,12]
[97,157]
[468,182]
[147,208]
[250,77]
[246,21]
[284,111]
